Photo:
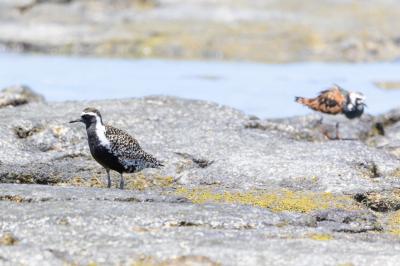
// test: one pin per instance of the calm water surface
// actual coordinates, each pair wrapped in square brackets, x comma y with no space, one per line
[265,90]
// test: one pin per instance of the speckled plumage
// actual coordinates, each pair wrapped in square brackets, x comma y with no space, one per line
[113,148]
[128,151]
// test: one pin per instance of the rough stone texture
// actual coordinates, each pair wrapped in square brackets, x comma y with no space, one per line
[55,226]
[41,147]
[258,30]
[390,141]
[205,147]
[18,95]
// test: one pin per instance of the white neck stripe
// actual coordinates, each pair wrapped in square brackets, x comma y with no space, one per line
[89,113]
[101,132]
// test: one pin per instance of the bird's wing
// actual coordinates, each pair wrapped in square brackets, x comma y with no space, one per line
[128,149]
[331,101]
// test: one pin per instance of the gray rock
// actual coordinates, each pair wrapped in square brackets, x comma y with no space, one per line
[201,143]
[69,225]
[389,139]
[203,146]
[318,127]
[348,221]
[104,27]
[18,95]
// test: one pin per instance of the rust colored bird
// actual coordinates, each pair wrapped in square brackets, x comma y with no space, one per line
[336,100]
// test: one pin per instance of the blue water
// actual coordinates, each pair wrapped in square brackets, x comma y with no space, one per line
[265,90]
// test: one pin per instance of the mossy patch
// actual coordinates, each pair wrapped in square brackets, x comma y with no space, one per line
[141,182]
[146,261]
[396,173]
[78,181]
[277,201]
[20,178]
[14,198]
[137,181]
[377,129]
[388,85]
[285,39]
[394,223]
[369,169]
[58,131]
[146,4]
[8,239]
[320,237]
[177,261]
[25,132]
[380,201]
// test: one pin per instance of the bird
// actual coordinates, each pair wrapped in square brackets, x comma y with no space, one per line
[336,100]
[113,148]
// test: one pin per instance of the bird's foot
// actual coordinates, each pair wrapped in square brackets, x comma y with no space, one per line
[329,136]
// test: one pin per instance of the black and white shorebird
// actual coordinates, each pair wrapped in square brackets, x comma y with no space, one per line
[113,148]
[336,100]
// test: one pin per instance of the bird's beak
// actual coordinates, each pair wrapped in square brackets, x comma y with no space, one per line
[365,105]
[76,121]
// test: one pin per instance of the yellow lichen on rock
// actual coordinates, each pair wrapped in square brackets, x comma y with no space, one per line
[277,201]
[140,181]
[320,237]
[8,239]
[176,261]
[394,223]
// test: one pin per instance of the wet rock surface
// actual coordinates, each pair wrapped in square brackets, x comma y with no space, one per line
[235,190]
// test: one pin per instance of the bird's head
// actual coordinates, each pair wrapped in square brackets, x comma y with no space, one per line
[357,99]
[90,116]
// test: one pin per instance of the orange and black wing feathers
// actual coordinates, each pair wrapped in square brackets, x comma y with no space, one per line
[329,101]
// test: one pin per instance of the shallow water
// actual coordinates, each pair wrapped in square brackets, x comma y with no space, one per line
[265,90]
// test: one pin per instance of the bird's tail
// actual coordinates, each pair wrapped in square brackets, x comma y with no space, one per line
[158,165]
[301,100]
[307,102]
[311,103]
[154,163]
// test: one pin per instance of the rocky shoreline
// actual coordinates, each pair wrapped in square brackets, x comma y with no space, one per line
[235,189]
[264,31]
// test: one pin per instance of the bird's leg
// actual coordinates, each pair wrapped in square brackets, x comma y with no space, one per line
[121,182]
[324,131]
[108,178]
[319,121]
[336,137]
[337,130]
